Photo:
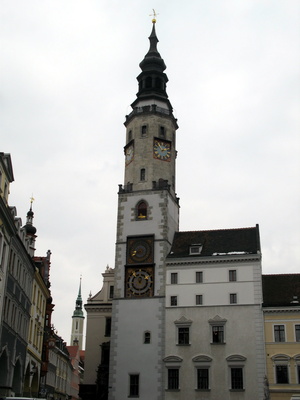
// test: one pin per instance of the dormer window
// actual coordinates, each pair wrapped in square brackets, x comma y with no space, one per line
[195,249]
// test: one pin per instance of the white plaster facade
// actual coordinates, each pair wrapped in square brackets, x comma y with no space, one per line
[243,345]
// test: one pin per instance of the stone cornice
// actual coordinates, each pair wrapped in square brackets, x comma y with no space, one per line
[281,309]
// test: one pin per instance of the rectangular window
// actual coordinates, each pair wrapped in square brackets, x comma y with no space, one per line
[232,275]
[173,378]
[237,378]
[173,300]
[162,132]
[202,379]
[184,335]
[142,174]
[218,334]
[144,130]
[108,326]
[297,333]
[134,385]
[282,374]
[111,292]
[233,298]
[174,278]
[199,276]
[298,373]
[279,334]
[199,299]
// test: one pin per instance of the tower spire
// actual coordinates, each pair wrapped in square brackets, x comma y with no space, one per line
[152,80]
[77,321]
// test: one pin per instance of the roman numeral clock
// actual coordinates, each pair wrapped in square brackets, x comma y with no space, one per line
[139,277]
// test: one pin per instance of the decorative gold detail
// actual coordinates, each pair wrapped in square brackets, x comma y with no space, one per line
[153,15]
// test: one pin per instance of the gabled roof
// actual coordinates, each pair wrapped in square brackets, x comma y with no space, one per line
[216,242]
[281,290]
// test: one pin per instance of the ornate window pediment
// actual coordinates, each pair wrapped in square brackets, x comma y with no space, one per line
[172,359]
[236,357]
[202,358]
[183,321]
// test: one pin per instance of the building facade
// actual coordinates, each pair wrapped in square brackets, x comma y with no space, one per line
[148,213]
[168,335]
[98,332]
[214,320]
[18,269]
[282,335]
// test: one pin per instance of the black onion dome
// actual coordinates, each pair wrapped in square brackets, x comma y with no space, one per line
[30,229]
[153,60]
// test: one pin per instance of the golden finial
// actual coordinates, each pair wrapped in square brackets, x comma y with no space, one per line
[153,15]
[31,199]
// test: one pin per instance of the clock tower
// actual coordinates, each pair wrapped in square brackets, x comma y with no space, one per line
[148,217]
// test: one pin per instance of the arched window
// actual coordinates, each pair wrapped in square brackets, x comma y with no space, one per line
[143,174]
[148,82]
[147,337]
[142,210]
[158,83]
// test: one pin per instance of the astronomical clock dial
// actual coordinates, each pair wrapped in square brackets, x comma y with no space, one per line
[140,251]
[162,150]
[129,152]
[139,282]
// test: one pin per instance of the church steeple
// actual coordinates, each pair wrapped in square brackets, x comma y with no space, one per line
[77,322]
[30,229]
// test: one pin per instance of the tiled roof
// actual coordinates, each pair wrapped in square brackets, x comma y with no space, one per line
[217,242]
[279,290]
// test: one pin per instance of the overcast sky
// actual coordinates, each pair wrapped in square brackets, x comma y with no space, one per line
[68,77]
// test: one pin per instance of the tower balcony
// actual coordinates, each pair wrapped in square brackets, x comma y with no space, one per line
[150,109]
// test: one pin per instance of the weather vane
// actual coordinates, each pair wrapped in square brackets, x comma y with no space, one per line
[153,15]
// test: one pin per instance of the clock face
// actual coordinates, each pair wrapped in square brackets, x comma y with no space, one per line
[128,155]
[139,282]
[140,250]
[162,150]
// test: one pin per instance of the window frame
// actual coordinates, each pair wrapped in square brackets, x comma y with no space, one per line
[147,337]
[199,299]
[202,368]
[174,278]
[173,301]
[199,276]
[183,335]
[173,381]
[237,383]
[278,333]
[277,368]
[134,386]
[217,322]
[233,298]
[297,332]
[232,275]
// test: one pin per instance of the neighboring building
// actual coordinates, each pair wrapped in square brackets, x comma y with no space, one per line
[6,177]
[16,301]
[98,331]
[60,370]
[77,322]
[281,307]
[77,371]
[40,297]
[214,321]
